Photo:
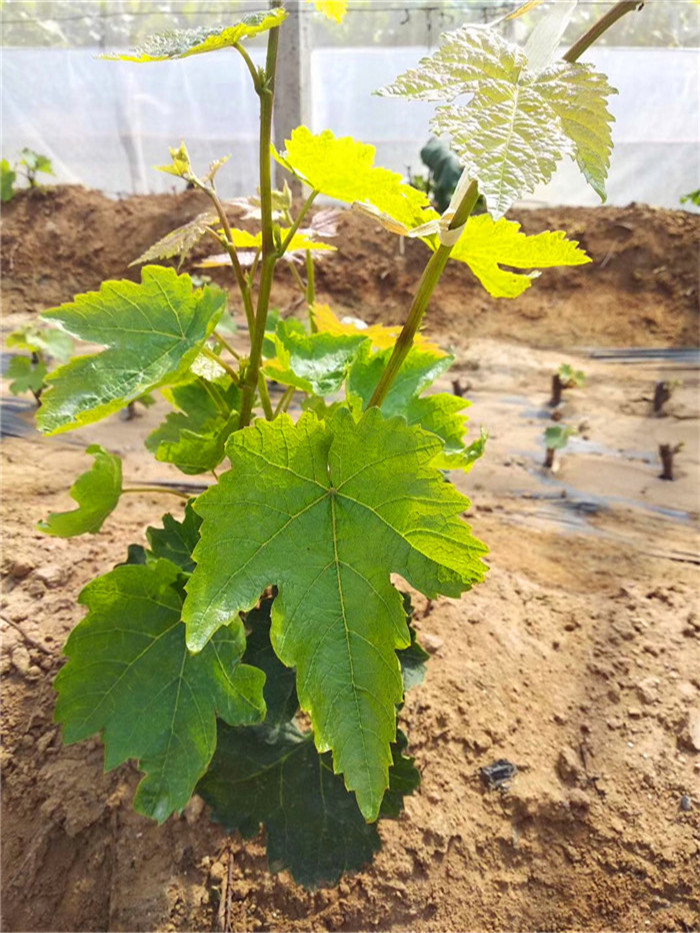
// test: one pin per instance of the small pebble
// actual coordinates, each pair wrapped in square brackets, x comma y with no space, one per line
[686,803]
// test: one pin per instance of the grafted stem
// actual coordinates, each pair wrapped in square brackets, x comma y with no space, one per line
[426,287]
[603,24]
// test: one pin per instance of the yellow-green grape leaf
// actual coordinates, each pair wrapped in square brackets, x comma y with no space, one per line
[381,335]
[179,242]
[243,240]
[333,9]
[342,168]
[97,493]
[180,164]
[315,363]
[180,43]
[326,512]
[153,331]
[193,437]
[487,244]
[130,677]
[520,121]
[48,341]
[440,413]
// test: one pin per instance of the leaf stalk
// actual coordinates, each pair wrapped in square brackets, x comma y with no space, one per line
[603,24]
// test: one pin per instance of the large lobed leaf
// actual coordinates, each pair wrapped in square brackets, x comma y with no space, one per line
[486,244]
[272,774]
[97,493]
[440,413]
[521,119]
[342,168]
[131,677]
[326,511]
[153,332]
[180,43]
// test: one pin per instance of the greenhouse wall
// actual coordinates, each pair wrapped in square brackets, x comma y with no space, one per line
[107,124]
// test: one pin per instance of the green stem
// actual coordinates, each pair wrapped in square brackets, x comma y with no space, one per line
[249,63]
[170,492]
[266,93]
[234,353]
[603,24]
[284,401]
[222,363]
[426,287]
[297,276]
[213,392]
[310,283]
[243,286]
[297,223]
[265,397]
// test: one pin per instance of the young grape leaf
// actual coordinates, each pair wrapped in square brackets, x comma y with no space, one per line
[315,363]
[131,677]
[48,341]
[153,332]
[26,375]
[333,9]
[520,122]
[382,337]
[97,493]
[313,826]
[181,241]
[486,244]
[326,511]
[342,168]
[193,438]
[179,43]
[176,540]
[8,177]
[440,413]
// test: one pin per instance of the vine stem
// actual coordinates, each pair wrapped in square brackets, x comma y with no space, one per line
[284,401]
[266,92]
[426,287]
[603,24]
[297,223]
[222,363]
[437,262]
[234,353]
[170,492]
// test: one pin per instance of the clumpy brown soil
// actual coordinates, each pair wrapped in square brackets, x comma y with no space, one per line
[578,659]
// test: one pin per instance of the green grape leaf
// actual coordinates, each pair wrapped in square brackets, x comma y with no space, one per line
[130,676]
[486,244]
[193,438]
[313,826]
[97,493]
[153,332]
[45,340]
[280,681]
[315,363]
[26,375]
[179,43]
[180,164]
[176,540]
[440,413]
[342,168]
[326,511]
[35,162]
[520,121]
[179,242]
[557,436]
[412,659]
[8,177]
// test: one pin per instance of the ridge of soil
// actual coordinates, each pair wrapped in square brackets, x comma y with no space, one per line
[645,257]
[578,659]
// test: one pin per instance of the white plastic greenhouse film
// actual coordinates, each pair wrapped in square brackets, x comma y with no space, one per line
[106,124]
